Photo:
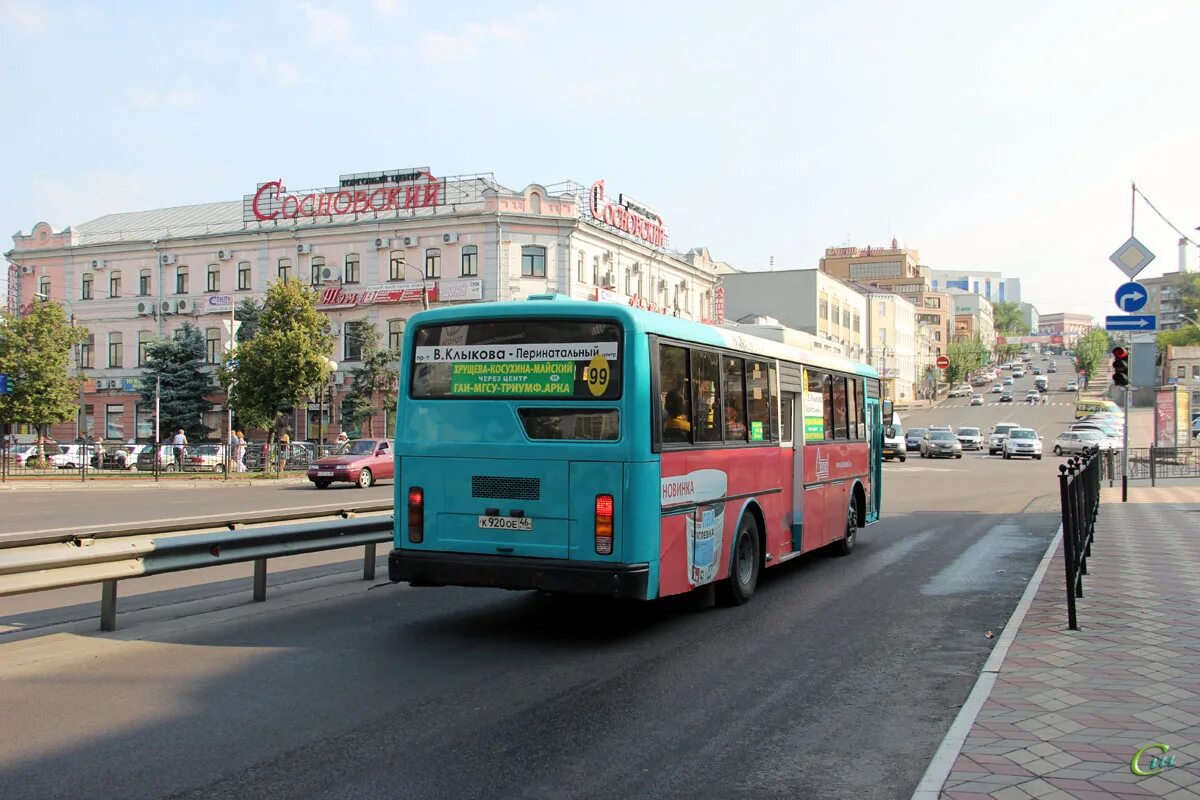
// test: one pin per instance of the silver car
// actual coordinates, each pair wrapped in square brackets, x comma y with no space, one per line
[1070,442]
[940,443]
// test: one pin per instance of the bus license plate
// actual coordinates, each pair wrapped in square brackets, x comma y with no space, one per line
[507,523]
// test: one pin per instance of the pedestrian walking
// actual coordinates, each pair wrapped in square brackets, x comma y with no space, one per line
[179,441]
[239,452]
[285,443]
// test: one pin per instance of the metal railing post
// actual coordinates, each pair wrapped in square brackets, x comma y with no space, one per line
[1064,491]
[1153,476]
[108,606]
[260,580]
[369,562]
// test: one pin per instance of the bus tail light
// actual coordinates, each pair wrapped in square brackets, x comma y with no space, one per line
[604,524]
[416,514]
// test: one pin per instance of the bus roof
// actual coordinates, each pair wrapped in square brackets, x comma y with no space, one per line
[645,322]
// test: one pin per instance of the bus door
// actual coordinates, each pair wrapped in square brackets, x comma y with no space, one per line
[809,502]
[875,457]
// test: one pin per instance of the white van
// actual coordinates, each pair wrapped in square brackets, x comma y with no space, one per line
[893,445]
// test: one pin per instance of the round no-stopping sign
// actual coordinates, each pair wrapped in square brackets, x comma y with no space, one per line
[943,362]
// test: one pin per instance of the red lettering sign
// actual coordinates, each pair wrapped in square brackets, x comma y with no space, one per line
[272,202]
[624,219]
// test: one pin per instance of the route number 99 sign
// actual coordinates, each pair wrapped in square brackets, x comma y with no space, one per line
[596,375]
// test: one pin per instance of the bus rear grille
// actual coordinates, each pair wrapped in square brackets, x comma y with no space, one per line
[506,488]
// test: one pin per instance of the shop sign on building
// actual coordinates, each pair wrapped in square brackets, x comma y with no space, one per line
[357,194]
[450,291]
[447,291]
[217,304]
[627,216]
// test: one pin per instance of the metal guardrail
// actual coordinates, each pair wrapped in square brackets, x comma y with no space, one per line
[56,560]
[1155,463]
[1079,492]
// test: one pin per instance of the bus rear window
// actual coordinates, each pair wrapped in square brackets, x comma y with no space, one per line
[524,359]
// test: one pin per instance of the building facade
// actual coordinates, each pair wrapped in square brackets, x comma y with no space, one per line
[992,286]
[1029,315]
[973,317]
[1066,324]
[376,248]
[1181,367]
[805,299]
[1164,301]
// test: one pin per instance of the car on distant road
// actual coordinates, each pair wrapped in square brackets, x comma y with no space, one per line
[1006,397]
[980,381]
[1033,396]
[1072,386]
[977,400]
[1018,373]
[912,439]
[359,461]
[962,390]
[997,388]
[1037,370]
[1023,442]
[1008,381]
[1069,442]
[999,434]
[1050,370]
[893,442]
[939,427]
[970,438]
[936,443]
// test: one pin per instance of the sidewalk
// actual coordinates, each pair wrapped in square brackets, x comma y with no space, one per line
[1064,712]
[24,484]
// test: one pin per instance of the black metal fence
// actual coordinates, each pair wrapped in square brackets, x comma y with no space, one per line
[1154,464]
[1079,491]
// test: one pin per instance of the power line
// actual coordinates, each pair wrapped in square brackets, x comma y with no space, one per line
[1182,235]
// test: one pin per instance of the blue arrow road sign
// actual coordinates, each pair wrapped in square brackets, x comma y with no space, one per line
[4,384]
[1131,297]
[1133,322]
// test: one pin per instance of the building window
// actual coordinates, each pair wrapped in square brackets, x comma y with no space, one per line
[395,334]
[884,269]
[87,352]
[596,271]
[823,309]
[144,282]
[213,278]
[144,339]
[579,270]
[115,356]
[351,273]
[212,345]
[114,283]
[181,280]
[352,340]
[533,261]
[283,269]
[933,302]
[433,262]
[857,323]
[882,309]
[114,425]
[85,288]
[1196,372]
[1181,372]
[315,266]
[243,283]
[143,421]
[470,262]
[396,265]
[845,317]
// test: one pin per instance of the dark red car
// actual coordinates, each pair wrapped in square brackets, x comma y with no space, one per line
[360,461]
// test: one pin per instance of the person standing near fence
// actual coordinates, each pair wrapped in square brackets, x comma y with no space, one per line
[285,443]
[179,441]
[239,452]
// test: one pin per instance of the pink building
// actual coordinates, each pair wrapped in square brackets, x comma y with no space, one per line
[376,247]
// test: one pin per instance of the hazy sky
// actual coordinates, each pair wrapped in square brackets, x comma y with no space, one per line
[988,136]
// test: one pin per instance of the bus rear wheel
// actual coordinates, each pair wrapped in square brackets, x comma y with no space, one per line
[845,545]
[738,588]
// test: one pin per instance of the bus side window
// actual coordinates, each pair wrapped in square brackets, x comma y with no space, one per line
[734,372]
[758,402]
[676,398]
[772,401]
[787,403]
[706,419]
[852,391]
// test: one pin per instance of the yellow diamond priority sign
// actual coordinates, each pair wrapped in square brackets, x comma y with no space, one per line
[1131,257]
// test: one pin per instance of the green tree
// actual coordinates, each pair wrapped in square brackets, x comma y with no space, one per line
[248,313]
[174,366]
[966,356]
[1008,320]
[1180,338]
[283,361]
[377,374]
[1090,350]
[35,353]
[1188,295]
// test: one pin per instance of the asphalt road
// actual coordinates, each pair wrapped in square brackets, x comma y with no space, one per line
[838,680]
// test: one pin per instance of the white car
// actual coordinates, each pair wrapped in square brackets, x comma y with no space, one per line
[997,389]
[1072,386]
[970,438]
[999,435]
[1023,442]
[1069,442]
[205,458]
[962,390]
[73,456]
[977,400]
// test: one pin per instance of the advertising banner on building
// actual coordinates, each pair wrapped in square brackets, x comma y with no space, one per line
[1164,417]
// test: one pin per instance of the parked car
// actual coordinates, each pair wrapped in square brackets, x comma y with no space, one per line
[17,456]
[970,438]
[940,443]
[912,439]
[123,456]
[166,458]
[74,456]
[205,458]
[999,434]
[358,461]
[977,400]
[300,455]
[1023,442]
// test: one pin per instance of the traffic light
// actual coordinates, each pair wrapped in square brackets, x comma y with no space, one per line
[1120,366]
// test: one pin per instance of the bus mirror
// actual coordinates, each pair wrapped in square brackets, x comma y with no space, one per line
[889,415]
[889,432]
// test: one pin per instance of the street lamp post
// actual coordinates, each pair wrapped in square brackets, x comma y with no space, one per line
[331,367]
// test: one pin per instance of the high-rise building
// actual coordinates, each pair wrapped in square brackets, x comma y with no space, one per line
[1164,303]
[991,286]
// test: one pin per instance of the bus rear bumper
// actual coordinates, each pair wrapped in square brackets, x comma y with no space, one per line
[432,568]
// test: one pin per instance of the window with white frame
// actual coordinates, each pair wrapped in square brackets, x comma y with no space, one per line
[114,283]
[470,261]
[395,334]
[283,269]
[212,281]
[116,356]
[433,263]
[85,287]
[243,272]
[351,272]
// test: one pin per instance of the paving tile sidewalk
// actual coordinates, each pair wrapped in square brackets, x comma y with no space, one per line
[1069,709]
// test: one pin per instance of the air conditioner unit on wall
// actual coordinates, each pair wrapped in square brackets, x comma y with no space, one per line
[26,270]
[410,241]
[145,308]
[303,249]
[184,306]
[224,255]
[99,263]
[166,307]
[167,258]
[449,238]
[608,281]
[383,244]
[330,274]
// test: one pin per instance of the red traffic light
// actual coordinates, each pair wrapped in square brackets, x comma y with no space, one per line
[1120,352]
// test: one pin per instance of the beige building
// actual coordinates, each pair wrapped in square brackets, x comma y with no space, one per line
[1069,325]
[898,270]
[1181,367]
[973,317]
[805,299]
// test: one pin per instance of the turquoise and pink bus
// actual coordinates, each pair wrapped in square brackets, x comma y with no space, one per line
[586,447]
